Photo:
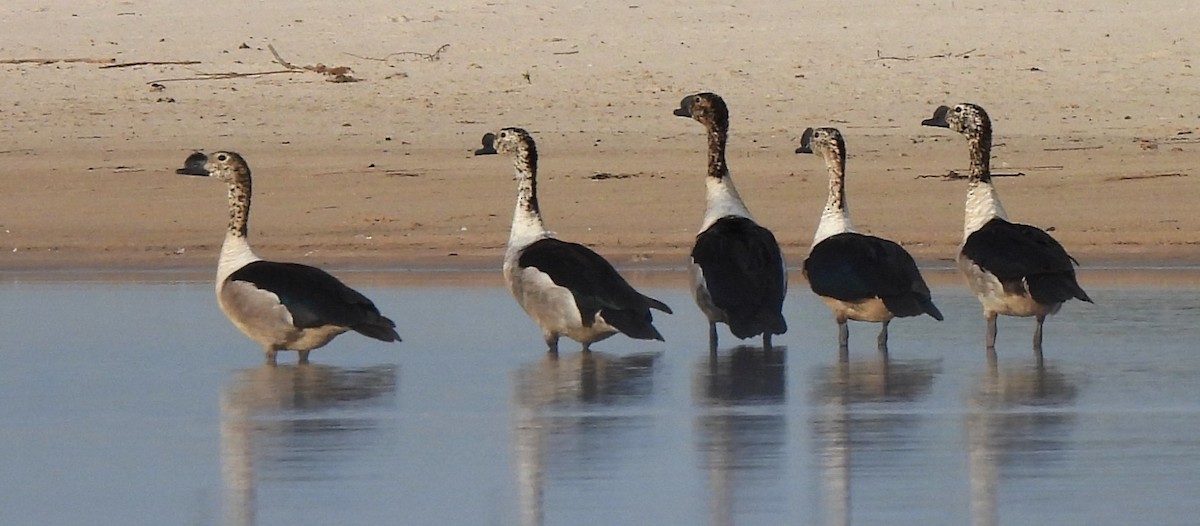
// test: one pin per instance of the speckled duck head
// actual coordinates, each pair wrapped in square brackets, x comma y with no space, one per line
[965,118]
[710,110]
[233,170]
[706,108]
[970,120]
[226,166]
[827,142]
[973,122]
[527,218]
[516,142]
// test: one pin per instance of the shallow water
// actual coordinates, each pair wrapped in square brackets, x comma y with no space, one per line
[138,403]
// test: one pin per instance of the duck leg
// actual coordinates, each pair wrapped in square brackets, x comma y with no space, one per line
[1037,340]
[304,356]
[712,337]
[991,331]
[991,337]
[883,338]
[843,333]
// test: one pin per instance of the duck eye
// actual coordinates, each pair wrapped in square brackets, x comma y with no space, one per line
[222,158]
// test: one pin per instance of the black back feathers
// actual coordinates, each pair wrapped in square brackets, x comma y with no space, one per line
[855,267]
[314,298]
[595,285]
[744,274]
[1022,256]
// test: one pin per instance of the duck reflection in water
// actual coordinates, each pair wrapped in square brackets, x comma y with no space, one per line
[849,439]
[565,425]
[282,422]
[1015,420]
[741,428]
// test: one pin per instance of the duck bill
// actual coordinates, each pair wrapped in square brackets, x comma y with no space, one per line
[194,165]
[489,145]
[806,142]
[938,119]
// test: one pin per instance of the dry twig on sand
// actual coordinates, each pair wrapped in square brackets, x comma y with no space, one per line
[431,57]
[152,63]
[953,175]
[334,74]
[879,56]
[44,61]
[1146,176]
[226,75]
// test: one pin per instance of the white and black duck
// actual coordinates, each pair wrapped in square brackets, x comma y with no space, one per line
[1014,269]
[566,288]
[737,270]
[860,277]
[282,306]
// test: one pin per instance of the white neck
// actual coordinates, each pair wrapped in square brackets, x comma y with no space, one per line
[834,220]
[527,227]
[983,204]
[721,200]
[235,254]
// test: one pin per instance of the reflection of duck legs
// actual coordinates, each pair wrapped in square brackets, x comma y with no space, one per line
[563,382]
[997,429]
[840,386]
[736,443]
[746,374]
[834,430]
[270,390]
[237,463]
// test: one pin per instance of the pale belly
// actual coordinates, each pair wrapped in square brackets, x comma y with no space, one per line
[261,318]
[703,298]
[866,310]
[552,307]
[995,299]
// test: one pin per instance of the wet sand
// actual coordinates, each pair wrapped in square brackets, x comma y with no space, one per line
[1094,103]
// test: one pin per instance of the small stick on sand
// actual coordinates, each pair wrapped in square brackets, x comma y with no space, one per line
[43,61]
[152,63]
[432,57]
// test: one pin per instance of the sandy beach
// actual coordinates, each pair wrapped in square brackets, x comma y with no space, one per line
[1095,104]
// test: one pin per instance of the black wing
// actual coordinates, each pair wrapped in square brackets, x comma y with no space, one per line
[854,267]
[1018,254]
[743,270]
[314,298]
[595,284]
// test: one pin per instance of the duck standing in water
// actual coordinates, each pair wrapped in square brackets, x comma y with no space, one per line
[282,306]
[860,277]
[566,288]
[1014,269]
[737,270]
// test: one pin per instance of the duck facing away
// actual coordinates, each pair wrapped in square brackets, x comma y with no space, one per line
[566,288]
[1014,269]
[282,306]
[860,277]
[737,270]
